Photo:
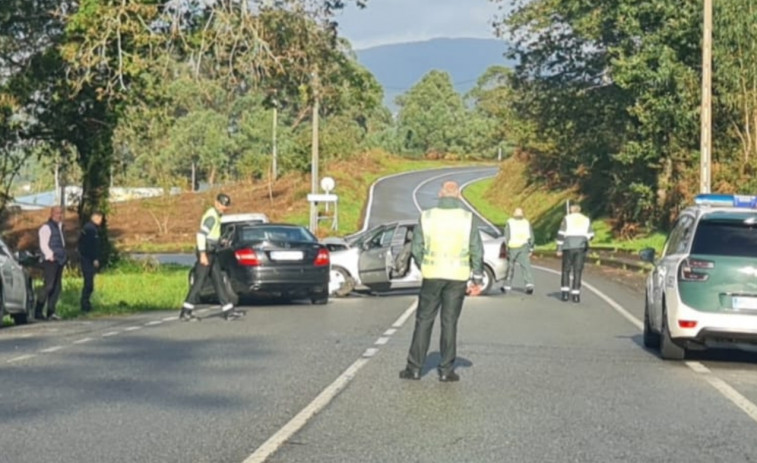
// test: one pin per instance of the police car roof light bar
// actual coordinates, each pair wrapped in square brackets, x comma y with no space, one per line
[721,200]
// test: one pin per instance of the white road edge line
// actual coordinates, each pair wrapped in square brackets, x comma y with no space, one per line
[51,349]
[154,323]
[725,389]
[273,443]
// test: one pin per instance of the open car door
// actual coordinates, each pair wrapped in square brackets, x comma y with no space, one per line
[375,261]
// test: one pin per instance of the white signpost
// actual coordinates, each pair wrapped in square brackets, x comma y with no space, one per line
[327,198]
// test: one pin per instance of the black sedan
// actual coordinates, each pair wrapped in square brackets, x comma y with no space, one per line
[272,260]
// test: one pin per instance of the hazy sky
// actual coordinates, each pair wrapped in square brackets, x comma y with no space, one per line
[392,21]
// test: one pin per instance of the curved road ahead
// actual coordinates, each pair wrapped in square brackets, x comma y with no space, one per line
[542,381]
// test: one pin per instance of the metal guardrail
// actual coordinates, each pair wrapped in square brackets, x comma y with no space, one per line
[610,257]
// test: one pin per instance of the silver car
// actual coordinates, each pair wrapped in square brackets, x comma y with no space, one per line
[16,291]
[374,259]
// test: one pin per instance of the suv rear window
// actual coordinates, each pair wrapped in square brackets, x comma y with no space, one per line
[726,237]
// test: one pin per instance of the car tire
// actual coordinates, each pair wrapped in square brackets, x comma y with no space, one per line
[669,350]
[488,280]
[320,300]
[344,281]
[232,295]
[651,339]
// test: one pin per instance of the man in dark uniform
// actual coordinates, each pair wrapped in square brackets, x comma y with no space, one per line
[448,246]
[208,238]
[53,247]
[572,245]
[89,252]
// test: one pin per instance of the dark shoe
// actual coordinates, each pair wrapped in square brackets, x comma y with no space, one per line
[565,296]
[407,373]
[53,317]
[504,289]
[529,290]
[449,377]
[576,298]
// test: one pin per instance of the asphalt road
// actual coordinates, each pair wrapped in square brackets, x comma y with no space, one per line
[542,381]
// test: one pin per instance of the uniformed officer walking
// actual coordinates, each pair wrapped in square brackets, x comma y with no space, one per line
[448,247]
[519,239]
[207,243]
[572,244]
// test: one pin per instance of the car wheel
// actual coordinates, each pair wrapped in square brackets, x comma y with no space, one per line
[230,293]
[651,339]
[340,282]
[320,300]
[669,350]
[488,280]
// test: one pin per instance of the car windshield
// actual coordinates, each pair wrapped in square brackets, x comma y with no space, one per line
[726,237]
[276,233]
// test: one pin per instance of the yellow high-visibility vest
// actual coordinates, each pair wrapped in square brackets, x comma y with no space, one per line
[446,236]
[209,236]
[577,224]
[520,232]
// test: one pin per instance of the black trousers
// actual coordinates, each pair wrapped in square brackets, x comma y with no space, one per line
[88,271]
[572,261]
[202,272]
[52,272]
[435,294]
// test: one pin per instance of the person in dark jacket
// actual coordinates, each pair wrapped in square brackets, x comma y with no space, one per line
[53,247]
[89,252]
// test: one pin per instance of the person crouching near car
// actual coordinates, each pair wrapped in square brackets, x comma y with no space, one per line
[448,246]
[208,238]
[53,247]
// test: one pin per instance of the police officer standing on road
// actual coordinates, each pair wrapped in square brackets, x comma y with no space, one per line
[519,239]
[448,246]
[208,239]
[89,252]
[572,244]
[53,247]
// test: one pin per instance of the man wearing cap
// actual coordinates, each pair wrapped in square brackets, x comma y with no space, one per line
[519,239]
[207,242]
[572,244]
[447,244]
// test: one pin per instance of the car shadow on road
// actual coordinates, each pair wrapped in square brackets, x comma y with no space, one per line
[721,355]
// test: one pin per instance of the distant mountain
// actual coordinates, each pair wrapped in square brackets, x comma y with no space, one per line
[400,66]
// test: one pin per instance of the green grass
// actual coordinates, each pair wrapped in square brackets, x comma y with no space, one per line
[131,286]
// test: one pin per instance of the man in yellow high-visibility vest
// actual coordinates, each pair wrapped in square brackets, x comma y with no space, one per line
[448,246]
[519,239]
[208,240]
[572,245]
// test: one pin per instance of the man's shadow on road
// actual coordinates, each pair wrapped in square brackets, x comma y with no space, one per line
[433,359]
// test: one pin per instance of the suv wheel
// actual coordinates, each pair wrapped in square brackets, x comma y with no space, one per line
[651,339]
[669,350]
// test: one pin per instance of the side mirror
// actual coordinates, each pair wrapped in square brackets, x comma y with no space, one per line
[647,255]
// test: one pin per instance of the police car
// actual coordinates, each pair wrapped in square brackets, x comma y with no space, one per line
[702,291]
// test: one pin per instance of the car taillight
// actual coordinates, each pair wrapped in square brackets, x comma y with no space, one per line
[322,258]
[247,257]
[503,251]
[687,323]
[690,269]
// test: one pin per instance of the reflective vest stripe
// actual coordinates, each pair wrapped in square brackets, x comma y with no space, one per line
[520,233]
[446,235]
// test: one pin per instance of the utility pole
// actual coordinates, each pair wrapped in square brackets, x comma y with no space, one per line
[314,157]
[274,166]
[706,116]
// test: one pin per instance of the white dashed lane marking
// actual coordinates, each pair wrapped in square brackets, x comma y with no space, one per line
[154,323]
[109,334]
[82,341]
[132,328]
[21,358]
[51,349]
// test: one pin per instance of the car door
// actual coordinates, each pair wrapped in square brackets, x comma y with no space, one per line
[664,272]
[12,276]
[374,263]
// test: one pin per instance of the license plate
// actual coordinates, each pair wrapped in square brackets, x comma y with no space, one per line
[741,302]
[286,255]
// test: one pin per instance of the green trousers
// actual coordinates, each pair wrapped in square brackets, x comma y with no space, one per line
[435,294]
[519,256]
